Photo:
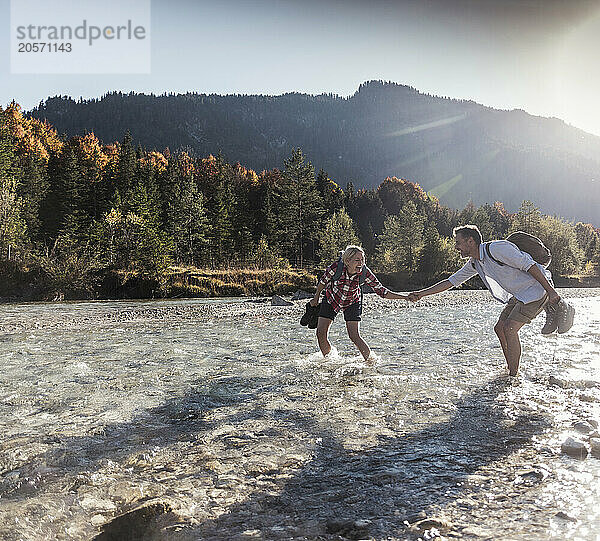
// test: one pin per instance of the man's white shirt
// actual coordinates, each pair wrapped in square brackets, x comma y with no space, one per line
[504,281]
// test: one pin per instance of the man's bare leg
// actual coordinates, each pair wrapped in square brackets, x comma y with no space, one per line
[353,328]
[499,329]
[513,345]
[322,334]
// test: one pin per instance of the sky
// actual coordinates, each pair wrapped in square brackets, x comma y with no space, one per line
[537,55]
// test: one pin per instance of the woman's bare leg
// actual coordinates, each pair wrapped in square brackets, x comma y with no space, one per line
[353,328]
[322,334]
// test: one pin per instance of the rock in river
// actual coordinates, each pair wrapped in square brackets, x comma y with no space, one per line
[583,427]
[574,448]
[280,301]
[595,445]
[301,294]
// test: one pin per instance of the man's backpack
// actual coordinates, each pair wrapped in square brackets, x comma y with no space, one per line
[526,243]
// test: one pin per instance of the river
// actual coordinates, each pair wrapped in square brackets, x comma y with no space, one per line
[220,420]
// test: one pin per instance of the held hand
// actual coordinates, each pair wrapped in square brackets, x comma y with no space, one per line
[553,297]
[414,296]
[314,302]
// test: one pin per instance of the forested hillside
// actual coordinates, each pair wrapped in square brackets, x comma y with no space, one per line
[80,219]
[457,150]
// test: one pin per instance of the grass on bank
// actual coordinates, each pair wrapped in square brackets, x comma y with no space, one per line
[47,281]
[193,282]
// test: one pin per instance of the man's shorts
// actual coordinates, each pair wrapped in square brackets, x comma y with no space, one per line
[524,313]
[351,313]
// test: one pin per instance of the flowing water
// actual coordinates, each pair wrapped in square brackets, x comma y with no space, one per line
[220,420]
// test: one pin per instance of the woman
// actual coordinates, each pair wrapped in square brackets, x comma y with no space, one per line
[343,292]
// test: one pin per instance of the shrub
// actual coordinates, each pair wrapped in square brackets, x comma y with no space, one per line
[232,290]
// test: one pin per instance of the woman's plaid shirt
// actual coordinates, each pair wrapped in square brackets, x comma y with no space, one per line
[346,290]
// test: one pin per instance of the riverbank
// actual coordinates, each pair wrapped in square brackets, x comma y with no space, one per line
[26,284]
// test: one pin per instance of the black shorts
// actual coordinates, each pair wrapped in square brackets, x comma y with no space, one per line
[351,313]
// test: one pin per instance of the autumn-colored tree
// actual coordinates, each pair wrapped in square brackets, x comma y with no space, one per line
[12,226]
[395,193]
[96,188]
[32,142]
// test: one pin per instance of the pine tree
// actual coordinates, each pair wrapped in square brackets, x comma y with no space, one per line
[187,223]
[560,237]
[466,215]
[595,253]
[350,193]
[222,207]
[321,181]
[433,258]
[69,186]
[32,189]
[332,195]
[401,240]
[300,205]
[527,219]
[269,218]
[500,220]
[338,232]
[586,239]
[367,212]
[127,167]
[267,215]
[92,193]
[481,218]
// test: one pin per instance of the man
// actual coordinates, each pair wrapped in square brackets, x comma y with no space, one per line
[512,276]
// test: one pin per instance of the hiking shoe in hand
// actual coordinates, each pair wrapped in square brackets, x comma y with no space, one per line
[551,319]
[306,316]
[566,314]
[314,318]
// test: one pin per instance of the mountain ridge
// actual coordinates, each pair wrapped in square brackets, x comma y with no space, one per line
[458,150]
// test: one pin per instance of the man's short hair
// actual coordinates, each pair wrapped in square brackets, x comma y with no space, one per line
[467,231]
